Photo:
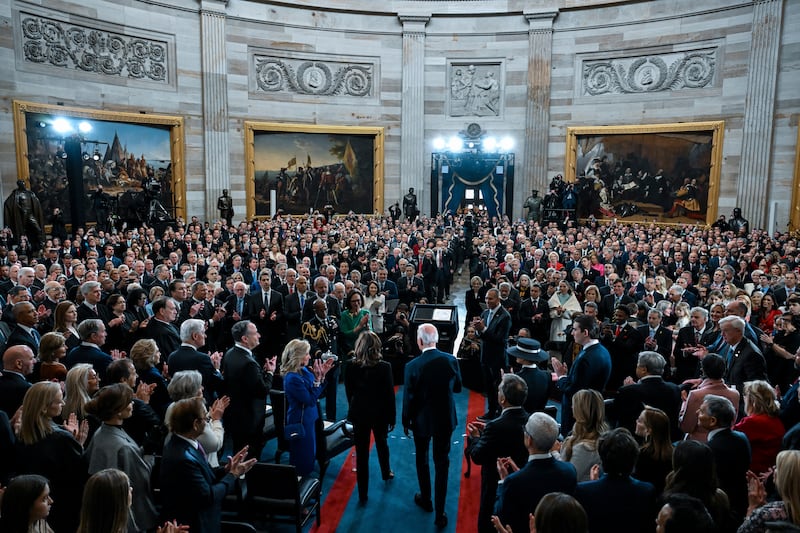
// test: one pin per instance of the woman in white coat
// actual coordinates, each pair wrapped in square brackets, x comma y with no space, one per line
[563,307]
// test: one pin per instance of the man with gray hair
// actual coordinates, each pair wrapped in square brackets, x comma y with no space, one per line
[189,357]
[745,361]
[91,307]
[731,449]
[522,488]
[92,332]
[429,411]
[650,390]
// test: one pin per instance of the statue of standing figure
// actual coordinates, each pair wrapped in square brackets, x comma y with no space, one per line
[225,207]
[410,204]
[23,214]
[534,206]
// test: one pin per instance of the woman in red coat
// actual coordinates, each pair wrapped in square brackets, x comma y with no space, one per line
[762,426]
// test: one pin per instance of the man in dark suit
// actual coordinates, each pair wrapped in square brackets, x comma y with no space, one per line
[429,411]
[199,307]
[497,439]
[651,390]
[696,334]
[492,327]
[731,450]
[265,310]
[611,302]
[789,288]
[590,370]
[744,360]
[528,354]
[92,332]
[293,304]
[91,306]
[189,357]
[534,314]
[24,332]
[191,491]
[521,490]
[248,386]
[386,286]
[410,287]
[17,365]
[656,337]
[321,292]
[623,342]
[616,495]
[160,328]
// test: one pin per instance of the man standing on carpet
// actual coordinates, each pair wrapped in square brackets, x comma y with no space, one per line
[429,411]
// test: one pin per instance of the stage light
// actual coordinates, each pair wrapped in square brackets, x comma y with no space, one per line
[61,154]
[96,155]
[489,144]
[84,127]
[62,125]
[86,156]
[455,144]
[41,124]
[438,143]
[506,144]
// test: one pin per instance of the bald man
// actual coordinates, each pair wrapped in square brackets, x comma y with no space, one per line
[17,365]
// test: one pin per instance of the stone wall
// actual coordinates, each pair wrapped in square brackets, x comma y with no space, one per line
[238,42]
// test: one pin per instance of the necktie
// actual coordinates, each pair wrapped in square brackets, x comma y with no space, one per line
[239,305]
[380,287]
[266,300]
[652,333]
[36,336]
[616,334]
[291,289]
[696,337]
[617,300]
[302,301]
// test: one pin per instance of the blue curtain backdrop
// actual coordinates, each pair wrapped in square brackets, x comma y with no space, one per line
[460,171]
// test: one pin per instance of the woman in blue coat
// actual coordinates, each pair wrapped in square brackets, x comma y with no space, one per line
[302,387]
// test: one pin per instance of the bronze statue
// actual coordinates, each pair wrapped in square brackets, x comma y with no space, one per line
[534,206]
[23,214]
[410,204]
[225,206]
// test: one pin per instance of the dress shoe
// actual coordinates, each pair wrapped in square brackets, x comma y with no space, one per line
[486,417]
[388,476]
[426,505]
[441,521]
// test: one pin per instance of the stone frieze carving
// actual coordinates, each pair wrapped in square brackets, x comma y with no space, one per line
[475,89]
[68,45]
[653,73]
[316,78]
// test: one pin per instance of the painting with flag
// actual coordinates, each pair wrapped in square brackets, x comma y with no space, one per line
[343,168]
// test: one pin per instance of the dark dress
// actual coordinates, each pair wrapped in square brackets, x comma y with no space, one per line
[652,470]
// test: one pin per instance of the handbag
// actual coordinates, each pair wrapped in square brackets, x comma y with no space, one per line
[295,431]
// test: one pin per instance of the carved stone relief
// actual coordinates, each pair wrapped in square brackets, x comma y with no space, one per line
[67,45]
[475,89]
[653,73]
[313,77]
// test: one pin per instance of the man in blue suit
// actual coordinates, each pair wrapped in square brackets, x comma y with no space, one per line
[590,370]
[92,332]
[191,491]
[522,488]
[493,327]
[386,286]
[616,501]
[429,411]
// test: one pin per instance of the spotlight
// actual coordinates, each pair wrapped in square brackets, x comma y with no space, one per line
[490,144]
[84,126]
[41,124]
[61,125]
[96,155]
[438,143]
[61,154]
[470,145]
[86,156]
[506,143]
[455,144]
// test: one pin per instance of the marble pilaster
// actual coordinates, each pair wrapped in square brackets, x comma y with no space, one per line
[412,122]
[759,112]
[537,112]
[215,104]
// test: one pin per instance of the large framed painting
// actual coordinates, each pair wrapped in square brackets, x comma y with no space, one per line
[137,158]
[663,173]
[304,168]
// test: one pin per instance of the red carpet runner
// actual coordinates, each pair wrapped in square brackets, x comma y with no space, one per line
[469,498]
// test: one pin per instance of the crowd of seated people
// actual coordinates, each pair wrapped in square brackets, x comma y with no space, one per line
[692,312]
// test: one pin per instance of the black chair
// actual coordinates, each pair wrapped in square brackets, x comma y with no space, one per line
[277,494]
[278,400]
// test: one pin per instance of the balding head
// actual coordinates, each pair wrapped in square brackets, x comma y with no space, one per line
[19,358]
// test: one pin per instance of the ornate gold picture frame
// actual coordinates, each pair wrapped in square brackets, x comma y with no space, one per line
[346,168]
[125,152]
[670,172]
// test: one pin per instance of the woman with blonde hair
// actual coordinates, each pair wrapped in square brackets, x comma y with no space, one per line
[302,388]
[106,503]
[580,448]
[787,509]
[761,426]
[81,384]
[53,451]
[370,394]
[145,356]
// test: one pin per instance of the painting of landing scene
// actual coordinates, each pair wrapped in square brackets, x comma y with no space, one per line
[132,156]
[314,168]
[664,173]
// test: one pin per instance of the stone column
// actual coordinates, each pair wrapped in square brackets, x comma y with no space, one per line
[537,113]
[215,106]
[412,117]
[759,111]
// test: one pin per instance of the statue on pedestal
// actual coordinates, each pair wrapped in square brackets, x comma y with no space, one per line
[225,207]
[737,223]
[534,206]
[410,204]
[23,214]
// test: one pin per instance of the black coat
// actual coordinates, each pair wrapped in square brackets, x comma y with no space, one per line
[732,457]
[370,393]
[248,387]
[188,358]
[652,391]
